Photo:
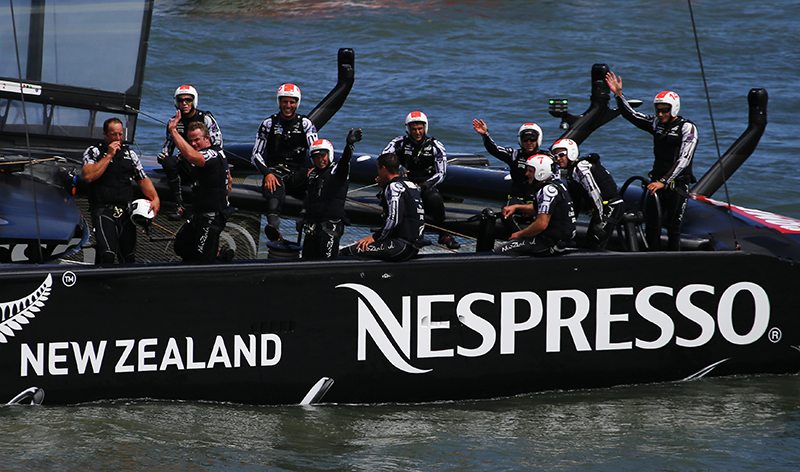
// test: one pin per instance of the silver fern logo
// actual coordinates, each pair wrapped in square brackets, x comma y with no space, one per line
[19,312]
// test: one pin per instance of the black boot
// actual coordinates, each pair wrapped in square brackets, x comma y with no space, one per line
[175,189]
[448,241]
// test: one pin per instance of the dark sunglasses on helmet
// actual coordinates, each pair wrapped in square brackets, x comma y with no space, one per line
[561,154]
[529,138]
[184,100]
[665,110]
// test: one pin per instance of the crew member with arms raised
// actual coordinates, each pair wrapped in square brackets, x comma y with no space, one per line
[530,138]
[425,161]
[674,142]
[177,168]
[554,226]
[108,167]
[401,235]
[324,214]
[198,238]
[281,155]
[592,189]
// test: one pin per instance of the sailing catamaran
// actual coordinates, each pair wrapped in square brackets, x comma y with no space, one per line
[440,327]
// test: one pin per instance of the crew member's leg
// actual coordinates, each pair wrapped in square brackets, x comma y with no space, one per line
[106,234]
[127,239]
[600,231]
[433,203]
[675,206]
[653,222]
[275,201]
[170,165]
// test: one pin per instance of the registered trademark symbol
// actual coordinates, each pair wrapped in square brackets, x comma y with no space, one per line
[69,279]
[775,335]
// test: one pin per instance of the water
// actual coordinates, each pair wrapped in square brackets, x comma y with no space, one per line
[499,60]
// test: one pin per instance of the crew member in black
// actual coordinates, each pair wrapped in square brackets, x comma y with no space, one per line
[554,226]
[401,235]
[530,138]
[674,142]
[324,205]
[281,155]
[592,189]
[178,169]
[425,161]
[109,167]
[198,238]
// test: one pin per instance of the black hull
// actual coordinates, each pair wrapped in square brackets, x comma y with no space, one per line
[167,332]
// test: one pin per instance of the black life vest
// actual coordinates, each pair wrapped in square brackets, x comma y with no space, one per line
[183,124]
[212,182]
[287,145]
[667,141]
[114,186]
[609,191]
[562,214]
[419,160]
[412,215]
[326,195]
[520,187]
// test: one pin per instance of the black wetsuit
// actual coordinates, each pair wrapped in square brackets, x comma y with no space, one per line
[426,165]
[324,208]
[178,169]
[281,149]
[401,235]
[553,199]
[109,198]
[593,190]
[198,238]
[521,192]
[673,147]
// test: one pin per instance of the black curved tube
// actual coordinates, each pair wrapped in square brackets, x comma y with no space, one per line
[741,149]
[332,102]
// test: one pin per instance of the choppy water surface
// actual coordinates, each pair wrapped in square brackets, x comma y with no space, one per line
[499,60]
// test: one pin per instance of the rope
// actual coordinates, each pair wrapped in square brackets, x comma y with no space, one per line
[713,127]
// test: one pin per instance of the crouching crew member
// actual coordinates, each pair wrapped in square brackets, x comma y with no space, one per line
[281,155]
[198,238]
[521,192]
[108,168]
[324,205]
[554,226]
[401,235]
[425,161]
[674,142]
[592,189]
[175,166]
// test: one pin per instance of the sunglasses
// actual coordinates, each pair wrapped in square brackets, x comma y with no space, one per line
[529,139]
[660,111]
[561,154]
[184,100]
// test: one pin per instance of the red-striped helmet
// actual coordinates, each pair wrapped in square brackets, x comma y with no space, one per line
[542,166]
[187,90]
[668,97]
[321,145]
[417,117]
[288,90]
[529,129]
[570,146]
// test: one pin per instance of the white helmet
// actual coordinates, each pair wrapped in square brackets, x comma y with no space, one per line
[141,213]
[288,90]
[321,145]
[528,128]
[187,90]
[568,144]
[417,117]
[542,166]
[668,97]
